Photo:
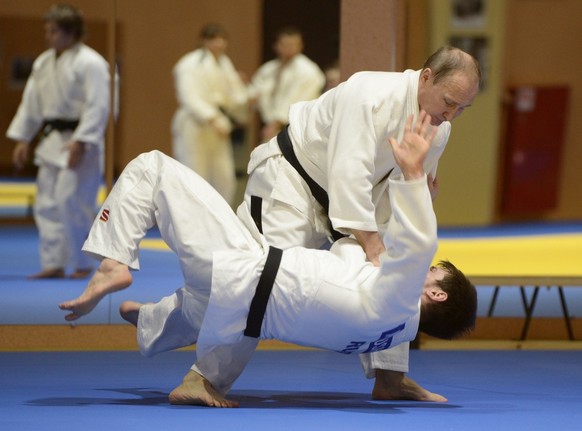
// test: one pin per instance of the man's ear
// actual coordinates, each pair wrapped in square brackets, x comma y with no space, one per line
[436,294]
[426,74]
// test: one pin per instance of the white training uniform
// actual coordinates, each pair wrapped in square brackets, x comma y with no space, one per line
[341,140]
[328,299]
[277,87]
[207,89]
[72,86]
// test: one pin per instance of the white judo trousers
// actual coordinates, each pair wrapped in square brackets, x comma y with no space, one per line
[64,210]
[202,149]
[175,321]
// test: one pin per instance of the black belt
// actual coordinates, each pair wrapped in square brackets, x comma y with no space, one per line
[317,191]
[58,124]
[263,292]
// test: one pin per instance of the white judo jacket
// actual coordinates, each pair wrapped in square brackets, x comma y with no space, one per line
[341,140]
[277,88]
[204,85]
[335,299]
[73,86]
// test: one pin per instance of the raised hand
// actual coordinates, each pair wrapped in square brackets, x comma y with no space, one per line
[410,153]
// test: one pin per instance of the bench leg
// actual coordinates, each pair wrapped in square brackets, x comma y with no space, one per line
[529,308]
[493,302]
[565,313]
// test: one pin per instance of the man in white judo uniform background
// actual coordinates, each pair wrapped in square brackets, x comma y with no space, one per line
[67,97]
[212,100]
[280,82]
[331,167]
[238,289]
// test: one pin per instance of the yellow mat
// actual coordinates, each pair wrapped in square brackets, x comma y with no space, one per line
[541,255]
[14,194]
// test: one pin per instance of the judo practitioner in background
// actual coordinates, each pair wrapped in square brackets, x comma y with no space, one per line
[67,98]
[290,77]
[212,100]
[238,289]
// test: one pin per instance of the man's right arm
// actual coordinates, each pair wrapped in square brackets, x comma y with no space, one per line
[20,154]
[372,244]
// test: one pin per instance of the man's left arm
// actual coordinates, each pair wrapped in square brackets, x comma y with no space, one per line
[95,110]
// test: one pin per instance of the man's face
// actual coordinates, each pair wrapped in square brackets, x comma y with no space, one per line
[217,45]
[447,99]
[56,38]
[288,46]
[435,273]
[431,291]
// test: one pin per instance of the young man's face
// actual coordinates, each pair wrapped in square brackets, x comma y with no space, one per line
[447,99]
[288,46]
[56,38]
[217,45]
[431,291]
[435,273]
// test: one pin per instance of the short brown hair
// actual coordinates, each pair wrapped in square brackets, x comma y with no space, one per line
[211,31]
[456,316]
[68,18]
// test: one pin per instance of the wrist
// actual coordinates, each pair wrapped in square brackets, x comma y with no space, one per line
[413,174]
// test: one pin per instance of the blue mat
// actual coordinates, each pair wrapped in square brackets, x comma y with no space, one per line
[291,390]
[35,301]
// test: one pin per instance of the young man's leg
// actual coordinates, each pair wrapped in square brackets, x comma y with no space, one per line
[193,219]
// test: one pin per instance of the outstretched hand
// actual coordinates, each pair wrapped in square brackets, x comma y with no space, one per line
[410,153]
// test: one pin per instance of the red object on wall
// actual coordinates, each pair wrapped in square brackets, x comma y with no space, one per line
[536,128]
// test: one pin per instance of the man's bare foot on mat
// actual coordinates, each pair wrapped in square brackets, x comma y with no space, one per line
[196,390]
[394,385]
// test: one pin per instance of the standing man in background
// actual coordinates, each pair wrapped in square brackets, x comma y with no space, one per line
[212,99]
[289,78]
[67,96]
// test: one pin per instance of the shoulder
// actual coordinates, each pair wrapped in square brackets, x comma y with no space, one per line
[43,58]
[267,67]
[306,63]
[89,56]
[192,57]
[372,78]
[303,59]
[89,52]
[375,86]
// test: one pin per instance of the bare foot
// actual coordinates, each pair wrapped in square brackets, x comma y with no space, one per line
[111,276]
[129,311]
[48,273]
[394,385]
[196,390]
